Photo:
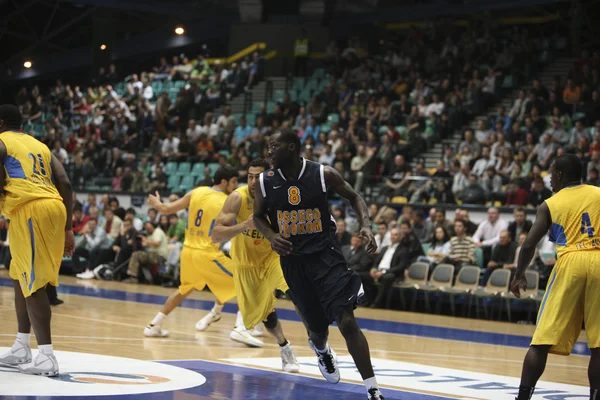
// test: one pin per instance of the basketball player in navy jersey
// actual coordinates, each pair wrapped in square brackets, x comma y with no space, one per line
[291,210]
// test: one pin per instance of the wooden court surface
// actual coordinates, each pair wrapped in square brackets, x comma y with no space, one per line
[103,326]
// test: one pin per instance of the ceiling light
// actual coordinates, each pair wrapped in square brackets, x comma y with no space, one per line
[102,47]
[179,30]
[27,64]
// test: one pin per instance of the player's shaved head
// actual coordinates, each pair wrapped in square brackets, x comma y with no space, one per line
[566,169]
[289,136]
[10,117]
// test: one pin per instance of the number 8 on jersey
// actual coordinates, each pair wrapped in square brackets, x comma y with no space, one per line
[294,195]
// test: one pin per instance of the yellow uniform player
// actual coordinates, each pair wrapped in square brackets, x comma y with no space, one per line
[201,262]
[572,216]
[257,270]
[37,198]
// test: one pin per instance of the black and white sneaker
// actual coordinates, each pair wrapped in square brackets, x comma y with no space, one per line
[375,394]
[327,364]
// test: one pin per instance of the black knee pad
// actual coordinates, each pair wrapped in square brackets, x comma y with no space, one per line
[271,321]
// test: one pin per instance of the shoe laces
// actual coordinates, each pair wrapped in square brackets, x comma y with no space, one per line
[328,362]
[374,394]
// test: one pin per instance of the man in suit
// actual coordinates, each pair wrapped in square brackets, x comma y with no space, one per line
[360,261]
[520,224]
[393,261]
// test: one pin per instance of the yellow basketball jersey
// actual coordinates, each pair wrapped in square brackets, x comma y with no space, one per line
[575,213]
[205,206]
[250,247]
[28,171]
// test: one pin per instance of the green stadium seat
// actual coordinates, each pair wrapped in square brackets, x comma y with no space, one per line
[184,168]
[187,183]
[171,168]
[173,182]
[326,128]
[507,83]
[213,167]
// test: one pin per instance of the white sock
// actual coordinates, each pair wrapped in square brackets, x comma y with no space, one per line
[323,351]
[371,383]
[158,319]
[239,321]
[217,309]
[46,349]
[23,338]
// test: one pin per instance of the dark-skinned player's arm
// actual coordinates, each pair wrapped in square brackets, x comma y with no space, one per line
[63,185]
[225,227]
[542,224]
[169,208]
[334,180]
[280,245]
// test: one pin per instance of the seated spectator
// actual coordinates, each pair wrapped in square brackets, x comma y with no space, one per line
[383,236]
[154,251]
[592,178]
[131,215]
[170,146]
[520,225]
[516,195]
[491,182]
[474,193]
[422,228]
[176,231]
[513,265]
[503,253]
[342,235]
[112,223]
[140,182]
[483,163]
[439,247]
[94,241]
[463,215]
[159,182]
[393,261]
[539,193]
[79,220]
[488,232]
[462,248]
[359,261]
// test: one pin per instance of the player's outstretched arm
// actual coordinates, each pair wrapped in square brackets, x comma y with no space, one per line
[280,245]
[225,227]
[542,224]
[334,180]
[169,208]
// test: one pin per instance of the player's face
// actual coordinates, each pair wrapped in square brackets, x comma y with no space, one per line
[232,184]
[278,151]
[253,174]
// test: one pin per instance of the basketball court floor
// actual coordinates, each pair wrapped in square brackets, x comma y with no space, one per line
[102,352]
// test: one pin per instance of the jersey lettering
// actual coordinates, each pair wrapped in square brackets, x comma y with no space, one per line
[292,224]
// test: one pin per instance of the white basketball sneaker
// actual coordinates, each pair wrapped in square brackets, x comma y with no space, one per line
[43,364]
[375,394]
[289,363]
[208,319]
[327,364]
[20,353]
[258,331]
[243,335]
[155,331]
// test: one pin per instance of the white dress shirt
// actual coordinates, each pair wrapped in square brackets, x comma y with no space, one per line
[488,233]
[386,260]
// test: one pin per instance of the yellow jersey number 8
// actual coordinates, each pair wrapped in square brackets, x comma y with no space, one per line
[294,195]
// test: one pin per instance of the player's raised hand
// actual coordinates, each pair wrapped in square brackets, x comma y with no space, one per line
[518,283]
[154,199]
[281,246]
[366,235]
[69,243]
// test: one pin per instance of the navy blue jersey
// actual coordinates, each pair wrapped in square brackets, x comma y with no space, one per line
[298,208]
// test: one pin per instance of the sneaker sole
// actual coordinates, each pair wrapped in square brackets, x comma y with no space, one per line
[241,339]
[212,322]
[17,362]
[49,373]
[292,370]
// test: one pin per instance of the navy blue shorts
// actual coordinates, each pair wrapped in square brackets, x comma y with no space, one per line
[321,286]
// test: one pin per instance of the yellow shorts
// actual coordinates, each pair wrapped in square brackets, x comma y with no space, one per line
[572,296]
[37,243]
[255,286]
[200,268]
